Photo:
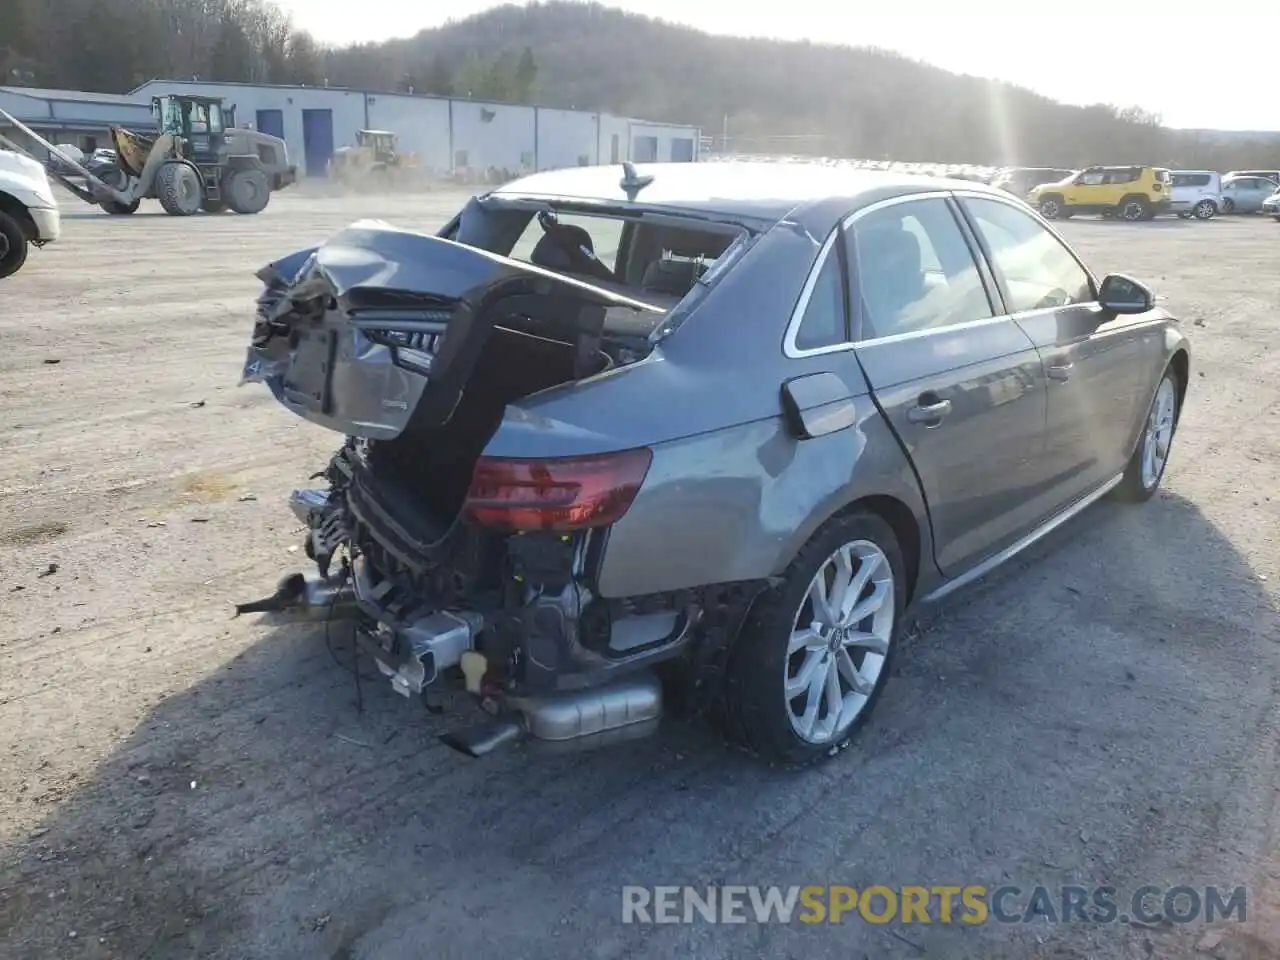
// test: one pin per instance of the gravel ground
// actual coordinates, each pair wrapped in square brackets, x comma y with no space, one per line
[175,782]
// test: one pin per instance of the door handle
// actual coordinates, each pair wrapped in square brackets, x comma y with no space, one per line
[1059,371]
[929,410]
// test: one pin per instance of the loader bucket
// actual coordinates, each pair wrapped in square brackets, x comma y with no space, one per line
[132,149]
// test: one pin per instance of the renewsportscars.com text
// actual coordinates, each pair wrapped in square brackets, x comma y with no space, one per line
[945,904]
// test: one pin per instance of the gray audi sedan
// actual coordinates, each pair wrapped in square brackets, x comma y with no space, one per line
[696,436]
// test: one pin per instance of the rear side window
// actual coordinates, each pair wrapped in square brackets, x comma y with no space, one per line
[1038,270]
[915,270]
[1190,179]
[1162,176]
[823,322]
[1122,175]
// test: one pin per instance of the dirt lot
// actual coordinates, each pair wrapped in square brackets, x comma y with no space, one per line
[175,782]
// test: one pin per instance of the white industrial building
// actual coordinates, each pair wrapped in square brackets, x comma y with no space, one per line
[450,136]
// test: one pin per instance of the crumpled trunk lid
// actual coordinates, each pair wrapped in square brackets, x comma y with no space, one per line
[379,329]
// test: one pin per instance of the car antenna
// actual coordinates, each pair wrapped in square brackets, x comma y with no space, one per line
[632,183]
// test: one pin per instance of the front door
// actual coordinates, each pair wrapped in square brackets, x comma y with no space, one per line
[961,385]
[1090,358]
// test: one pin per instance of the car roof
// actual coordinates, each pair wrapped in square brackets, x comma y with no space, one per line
[753,190]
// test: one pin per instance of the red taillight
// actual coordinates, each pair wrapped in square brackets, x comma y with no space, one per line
[572,493]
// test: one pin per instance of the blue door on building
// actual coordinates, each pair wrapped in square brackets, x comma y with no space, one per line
[682,149]
[317,140]
[271,122]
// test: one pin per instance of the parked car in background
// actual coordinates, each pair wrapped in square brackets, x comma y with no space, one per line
[1018,180]
[1127,192]
[709,426]
[1245,194]
[1272,175]
[1196,193]
[1271,205]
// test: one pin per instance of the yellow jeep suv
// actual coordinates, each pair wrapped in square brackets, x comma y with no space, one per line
[1130,193]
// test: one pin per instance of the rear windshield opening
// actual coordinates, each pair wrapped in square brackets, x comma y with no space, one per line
[657,260]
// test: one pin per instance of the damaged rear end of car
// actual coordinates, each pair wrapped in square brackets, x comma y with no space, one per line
[459,569]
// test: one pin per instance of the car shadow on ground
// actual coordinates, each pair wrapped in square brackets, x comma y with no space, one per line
[1039,728]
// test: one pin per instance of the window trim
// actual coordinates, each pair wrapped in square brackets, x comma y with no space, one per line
[1001,284]
[995,296]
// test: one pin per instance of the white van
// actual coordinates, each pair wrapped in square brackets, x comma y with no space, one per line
[1196,193]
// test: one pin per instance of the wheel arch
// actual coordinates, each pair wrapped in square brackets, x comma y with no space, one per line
[910,528]
[18,211]
[245,162]
[906,528]
[1180,362]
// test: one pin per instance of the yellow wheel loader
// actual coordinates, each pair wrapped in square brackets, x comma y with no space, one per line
[198,161]
[374,163]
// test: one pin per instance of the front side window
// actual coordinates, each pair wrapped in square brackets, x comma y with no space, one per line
[915,270]
[1092,178]
[1039,271]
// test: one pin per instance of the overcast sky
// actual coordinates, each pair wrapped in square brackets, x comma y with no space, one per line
[1198,69]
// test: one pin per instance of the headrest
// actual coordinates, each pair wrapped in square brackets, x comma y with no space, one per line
[557,248]
[891,248]
[674,277]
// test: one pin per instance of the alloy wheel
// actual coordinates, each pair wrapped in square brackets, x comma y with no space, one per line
[1158,436]
[839,641]
[1050,209]
[1132,210]
[1204,210]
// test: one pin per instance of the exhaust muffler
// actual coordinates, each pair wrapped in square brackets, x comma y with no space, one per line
[570,721]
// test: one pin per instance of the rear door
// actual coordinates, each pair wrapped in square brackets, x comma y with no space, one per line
[1091,359]
[961,385]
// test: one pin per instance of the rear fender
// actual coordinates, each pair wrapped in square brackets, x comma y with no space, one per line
[748,517]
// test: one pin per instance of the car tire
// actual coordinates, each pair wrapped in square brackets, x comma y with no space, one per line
[766,662]
[1133,209]
[13,245]
[1228,205]
[1146,467]
[1052,207]
[1205,210]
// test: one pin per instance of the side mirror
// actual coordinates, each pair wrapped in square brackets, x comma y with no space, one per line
[817,404]
[1121,294]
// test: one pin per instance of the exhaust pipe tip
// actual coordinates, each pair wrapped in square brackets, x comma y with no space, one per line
[482,740]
